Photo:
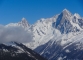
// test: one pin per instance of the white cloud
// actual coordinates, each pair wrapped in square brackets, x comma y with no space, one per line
[18,34]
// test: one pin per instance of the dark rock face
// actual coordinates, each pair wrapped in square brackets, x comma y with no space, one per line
[63,22]
[18,52]
[80,23]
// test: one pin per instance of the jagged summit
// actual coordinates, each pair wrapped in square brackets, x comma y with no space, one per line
[64,15]
[77,15]
[24,23]
[65,10]
[66,22]
[24,20]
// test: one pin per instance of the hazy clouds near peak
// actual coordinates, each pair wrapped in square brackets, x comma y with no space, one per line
[18,34]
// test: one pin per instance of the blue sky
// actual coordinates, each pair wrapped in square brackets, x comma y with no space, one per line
[33,10]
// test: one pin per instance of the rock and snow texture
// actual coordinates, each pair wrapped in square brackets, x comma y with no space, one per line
[23,23]
[68,44]
[46,29]
[18,51]
[71,47]
[56,37]
[64,23]
[43,31]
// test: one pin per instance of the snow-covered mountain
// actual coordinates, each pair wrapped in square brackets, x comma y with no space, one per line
[68,44]
[46,29]
[55,37]
[23,23]
[42,30]
[67,22]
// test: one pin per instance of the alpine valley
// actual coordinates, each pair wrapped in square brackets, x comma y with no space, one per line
[57,38]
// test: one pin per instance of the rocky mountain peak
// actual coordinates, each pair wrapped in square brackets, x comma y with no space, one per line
[24,20]
[77,15]
[24,23]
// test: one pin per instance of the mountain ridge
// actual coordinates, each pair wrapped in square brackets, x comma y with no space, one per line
[18,51]
[65,22]
[56,37]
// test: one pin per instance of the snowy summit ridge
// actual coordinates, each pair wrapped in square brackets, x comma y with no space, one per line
[57,37]
[63,23]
